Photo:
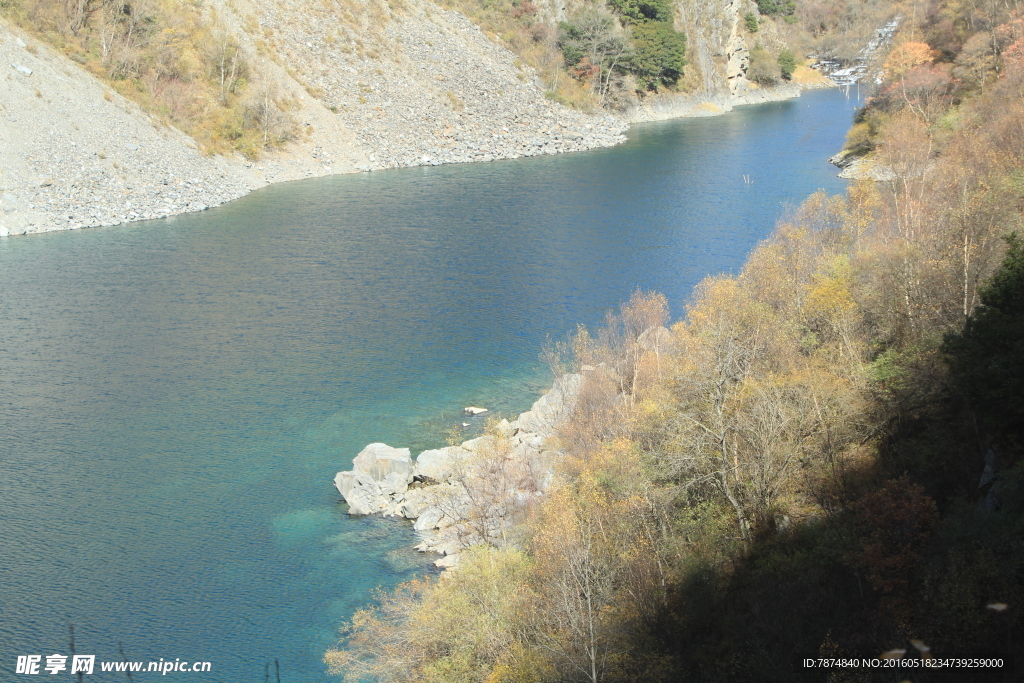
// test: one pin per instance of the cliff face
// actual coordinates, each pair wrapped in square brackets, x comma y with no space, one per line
[719,56]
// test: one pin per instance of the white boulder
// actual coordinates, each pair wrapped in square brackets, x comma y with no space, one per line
[378,480]
[440,464]
[380,460]
[447,562]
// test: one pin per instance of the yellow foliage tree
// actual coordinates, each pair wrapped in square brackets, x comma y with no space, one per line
[451,630]
[905,57]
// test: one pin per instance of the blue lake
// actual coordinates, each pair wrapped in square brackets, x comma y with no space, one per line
[176,395]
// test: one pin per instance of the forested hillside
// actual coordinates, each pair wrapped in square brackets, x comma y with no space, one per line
[823,458]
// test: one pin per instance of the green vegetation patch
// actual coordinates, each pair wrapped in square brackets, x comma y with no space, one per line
[776,8]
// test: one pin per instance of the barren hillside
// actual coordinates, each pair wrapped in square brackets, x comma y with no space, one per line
[133,112]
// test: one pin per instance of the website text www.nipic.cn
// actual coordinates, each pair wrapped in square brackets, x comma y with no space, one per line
[86,664]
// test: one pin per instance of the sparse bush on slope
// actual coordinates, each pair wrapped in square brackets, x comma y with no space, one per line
[174,59]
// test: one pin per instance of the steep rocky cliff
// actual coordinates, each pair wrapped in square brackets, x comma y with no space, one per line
[719,56]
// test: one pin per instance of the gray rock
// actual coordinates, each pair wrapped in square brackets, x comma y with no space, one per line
[447,562]
[380,460]
[394,484]
[429,519]
[867,168]
[345,481]
[553,408]
[23,70]
[503,429]
[361,492]
[440,464]
[440,503]
[408,509]
[378,480]
[479,444]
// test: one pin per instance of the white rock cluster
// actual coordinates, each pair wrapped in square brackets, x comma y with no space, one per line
[862,167]
[465,494]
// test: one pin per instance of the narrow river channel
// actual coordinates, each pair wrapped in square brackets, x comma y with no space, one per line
[177,395]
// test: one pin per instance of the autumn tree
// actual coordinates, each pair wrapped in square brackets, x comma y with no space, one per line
[454,628]
[493,488]
[905,57]
[763,69]
[594,48]
[591,546]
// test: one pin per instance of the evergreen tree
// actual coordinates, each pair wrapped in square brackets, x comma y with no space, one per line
[987,358]
[660,54]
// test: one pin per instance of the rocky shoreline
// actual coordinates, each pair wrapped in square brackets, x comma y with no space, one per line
[430,109]
[866,167]
[691,105]
[475,492]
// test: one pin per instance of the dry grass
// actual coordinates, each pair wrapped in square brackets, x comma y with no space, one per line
[515,23]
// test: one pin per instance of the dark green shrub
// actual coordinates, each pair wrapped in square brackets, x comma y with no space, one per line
[640,11]
[659,54]
[777,8]
[751,21]
[787,64]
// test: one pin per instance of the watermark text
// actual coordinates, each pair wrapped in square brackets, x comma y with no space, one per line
[34,665]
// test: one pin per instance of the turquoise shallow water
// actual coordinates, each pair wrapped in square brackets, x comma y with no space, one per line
[177,395]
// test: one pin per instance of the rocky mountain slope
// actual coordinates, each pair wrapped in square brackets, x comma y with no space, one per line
[74,153]
[363,86]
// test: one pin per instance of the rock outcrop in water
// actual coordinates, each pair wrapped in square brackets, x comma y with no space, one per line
[380,474]
[470,493]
